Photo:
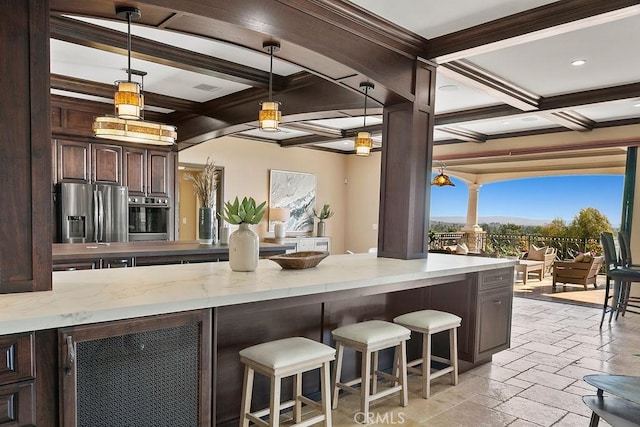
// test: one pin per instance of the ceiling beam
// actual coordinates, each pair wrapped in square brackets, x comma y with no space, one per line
[80,33]
[320,138]
[571,120]
[87,87]
[545,21]
[464,134]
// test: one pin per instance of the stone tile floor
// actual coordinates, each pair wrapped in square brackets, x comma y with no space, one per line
[537,382]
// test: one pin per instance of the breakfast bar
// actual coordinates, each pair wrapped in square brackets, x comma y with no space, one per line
[224,311]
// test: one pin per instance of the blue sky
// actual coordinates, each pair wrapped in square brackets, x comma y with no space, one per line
[535,198]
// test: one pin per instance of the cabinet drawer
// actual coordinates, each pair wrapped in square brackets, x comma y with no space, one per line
[17,405]
[16,358]
[496,278]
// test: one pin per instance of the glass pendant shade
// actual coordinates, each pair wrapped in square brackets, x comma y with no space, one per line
[142,131]
[128,100]
[363,144]
[269,116]
[441,180]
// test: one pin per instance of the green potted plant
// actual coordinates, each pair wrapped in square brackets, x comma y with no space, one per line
[205,185]
[243,243]
[324,213]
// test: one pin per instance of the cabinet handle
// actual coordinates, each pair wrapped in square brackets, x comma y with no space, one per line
[497,302]
[71,356]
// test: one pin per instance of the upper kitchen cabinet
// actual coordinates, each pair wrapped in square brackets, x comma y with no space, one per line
[79,161]
[106,164]
[148,172]
[72,161]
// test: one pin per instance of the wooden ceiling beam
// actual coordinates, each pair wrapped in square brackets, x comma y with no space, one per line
[320,137]
[464,134]
[80,33]
[545,21]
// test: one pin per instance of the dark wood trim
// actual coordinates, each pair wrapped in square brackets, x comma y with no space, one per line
[544,21]
[77,32]
[314,139]
[465,135]
[571,120]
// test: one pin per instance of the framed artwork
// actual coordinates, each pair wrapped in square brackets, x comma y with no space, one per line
[297,192]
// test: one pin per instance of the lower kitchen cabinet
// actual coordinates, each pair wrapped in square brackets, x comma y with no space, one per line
[17,386]
[152,371]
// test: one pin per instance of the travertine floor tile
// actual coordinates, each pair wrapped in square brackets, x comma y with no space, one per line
[573,420]
[545,378]
[471,414]
[556,398]
[531,411]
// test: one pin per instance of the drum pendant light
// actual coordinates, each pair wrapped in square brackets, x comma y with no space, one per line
[269,116]
[128,124]
[363,142]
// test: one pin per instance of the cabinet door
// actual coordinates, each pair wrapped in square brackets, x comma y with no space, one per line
[73,161]
[137,372]
[134,170]
[106,164]
[494,321]
[17,404]
[158,173]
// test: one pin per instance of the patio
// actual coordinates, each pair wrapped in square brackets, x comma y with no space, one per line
[570,294]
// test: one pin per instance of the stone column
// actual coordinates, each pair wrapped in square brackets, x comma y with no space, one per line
[472,230]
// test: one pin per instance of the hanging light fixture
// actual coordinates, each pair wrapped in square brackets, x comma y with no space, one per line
[441,179]
[270,114]
[363,142]
[128,123]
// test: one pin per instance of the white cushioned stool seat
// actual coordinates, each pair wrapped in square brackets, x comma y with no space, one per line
[283,358]
[429,322]
[368,338]
[372,332]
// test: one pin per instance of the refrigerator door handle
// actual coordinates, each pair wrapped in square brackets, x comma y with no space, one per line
[96,218]
[101,224]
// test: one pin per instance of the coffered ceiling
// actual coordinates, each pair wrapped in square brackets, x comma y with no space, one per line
[504,66]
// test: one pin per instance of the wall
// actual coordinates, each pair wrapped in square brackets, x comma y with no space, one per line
[187,209]
[247,165]
[363,201]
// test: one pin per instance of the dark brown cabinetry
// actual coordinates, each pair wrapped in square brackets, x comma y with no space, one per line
[149,371]
[73,161]
[147,172]
[106,164]
[17,375]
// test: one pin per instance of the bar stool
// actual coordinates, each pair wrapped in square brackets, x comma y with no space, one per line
[368,338]
[280,359]
[429,322]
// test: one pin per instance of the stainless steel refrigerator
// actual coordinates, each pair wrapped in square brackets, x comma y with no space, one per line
[92,213]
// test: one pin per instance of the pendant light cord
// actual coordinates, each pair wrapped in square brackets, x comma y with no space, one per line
[270,71]
[129,45]
[364,120]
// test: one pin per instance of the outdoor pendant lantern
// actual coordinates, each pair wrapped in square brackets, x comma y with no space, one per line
[441,179]
[127,123]
[269,116]
[363,142]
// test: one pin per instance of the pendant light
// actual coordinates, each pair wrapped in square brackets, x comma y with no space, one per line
[270,114]
[363,142]
[441,180]
[128,124]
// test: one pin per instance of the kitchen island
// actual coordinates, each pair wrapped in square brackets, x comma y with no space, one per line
[234,310]
[90,256]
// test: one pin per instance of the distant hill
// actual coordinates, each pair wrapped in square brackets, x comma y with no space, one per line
[491,219]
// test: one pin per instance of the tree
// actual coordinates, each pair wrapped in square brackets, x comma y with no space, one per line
[556,228]
[511,229]
[589,223]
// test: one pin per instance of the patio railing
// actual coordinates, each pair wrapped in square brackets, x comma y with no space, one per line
[515,245]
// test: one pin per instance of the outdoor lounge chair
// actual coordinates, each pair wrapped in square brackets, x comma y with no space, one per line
[579,271]
[545,254]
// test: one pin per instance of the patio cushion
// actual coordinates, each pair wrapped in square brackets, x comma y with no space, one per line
[537,254]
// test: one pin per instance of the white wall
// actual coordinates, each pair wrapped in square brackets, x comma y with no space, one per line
[247,165]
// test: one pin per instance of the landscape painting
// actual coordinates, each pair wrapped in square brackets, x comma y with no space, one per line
[297,192]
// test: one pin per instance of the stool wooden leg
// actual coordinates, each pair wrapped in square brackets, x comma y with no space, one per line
[426,365]
[453,354]
[404,393]
[364,385]
[374,368]
[337,367]
[274,416]
[396,366]
[325,393]
[297,392]
[247,390]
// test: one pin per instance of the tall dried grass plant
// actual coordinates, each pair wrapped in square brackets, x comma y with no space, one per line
[205,184]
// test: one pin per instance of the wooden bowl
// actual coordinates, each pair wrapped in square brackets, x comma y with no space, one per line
[299,260]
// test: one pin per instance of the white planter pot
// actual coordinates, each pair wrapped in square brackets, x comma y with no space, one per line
[243,249]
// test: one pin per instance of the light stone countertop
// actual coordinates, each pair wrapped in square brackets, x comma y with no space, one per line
[91,296]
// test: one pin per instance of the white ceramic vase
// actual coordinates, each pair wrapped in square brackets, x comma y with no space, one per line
[243,249]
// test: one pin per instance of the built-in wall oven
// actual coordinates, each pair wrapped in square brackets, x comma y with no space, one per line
[149,218]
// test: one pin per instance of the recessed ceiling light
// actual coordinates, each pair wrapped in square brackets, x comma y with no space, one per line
[637,105]
[579,62]
[448,88]
[505,122]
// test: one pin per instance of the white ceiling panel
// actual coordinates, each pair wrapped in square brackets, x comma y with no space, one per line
[507,124]
[104,100]
[544,66]
[611,110]
[283,134]
[346,144]
[454,96]
[346,122]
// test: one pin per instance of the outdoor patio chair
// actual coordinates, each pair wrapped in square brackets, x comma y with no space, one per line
[581,271]
[545,254]
[616,272]
[626,300]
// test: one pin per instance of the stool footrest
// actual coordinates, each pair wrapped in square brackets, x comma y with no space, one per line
[257,420]
[387,376]
[441,360]
[441,372]
[284,405]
